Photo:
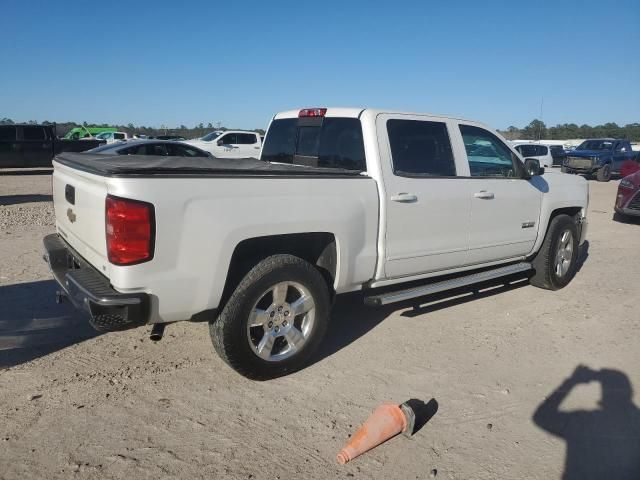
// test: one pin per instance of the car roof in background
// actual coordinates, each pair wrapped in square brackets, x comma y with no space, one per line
[110,147]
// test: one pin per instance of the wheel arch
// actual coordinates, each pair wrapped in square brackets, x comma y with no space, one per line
[572,211]
[318,248]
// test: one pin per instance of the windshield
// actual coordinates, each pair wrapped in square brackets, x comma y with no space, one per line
[211,136]
[595,145]
[103,135]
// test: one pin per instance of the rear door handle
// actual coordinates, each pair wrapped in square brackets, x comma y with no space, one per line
[484,195]
[404,198]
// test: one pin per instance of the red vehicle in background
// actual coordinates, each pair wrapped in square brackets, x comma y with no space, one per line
[628,197]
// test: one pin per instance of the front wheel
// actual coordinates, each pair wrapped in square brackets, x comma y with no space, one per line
[274,320]
[556,262]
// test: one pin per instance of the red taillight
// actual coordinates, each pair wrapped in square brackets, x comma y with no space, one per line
[312,112]
[130,228]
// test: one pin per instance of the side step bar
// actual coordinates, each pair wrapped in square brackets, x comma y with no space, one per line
[408,294]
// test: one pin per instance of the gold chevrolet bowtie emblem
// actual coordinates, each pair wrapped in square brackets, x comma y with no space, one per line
[70,215]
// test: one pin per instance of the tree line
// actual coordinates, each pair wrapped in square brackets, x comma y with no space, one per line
[538,130]
[196,131]
[534,131]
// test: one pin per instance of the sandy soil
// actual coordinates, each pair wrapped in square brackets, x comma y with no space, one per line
[74,404]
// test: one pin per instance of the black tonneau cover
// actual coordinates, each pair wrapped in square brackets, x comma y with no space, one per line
[148,165]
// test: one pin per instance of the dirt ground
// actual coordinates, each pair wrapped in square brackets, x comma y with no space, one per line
[497,364]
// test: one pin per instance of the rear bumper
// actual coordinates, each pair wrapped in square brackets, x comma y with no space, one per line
[89,290]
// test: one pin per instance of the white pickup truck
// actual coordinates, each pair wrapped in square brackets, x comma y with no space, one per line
[341,200]
[230,144]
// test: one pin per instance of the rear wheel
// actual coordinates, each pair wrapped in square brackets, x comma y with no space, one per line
[274,320]
[556,262]
[604,173]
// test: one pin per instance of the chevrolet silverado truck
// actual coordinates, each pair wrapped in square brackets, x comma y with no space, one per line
[396,205]
[601,157]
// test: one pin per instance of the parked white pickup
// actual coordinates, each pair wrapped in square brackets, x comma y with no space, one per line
[230,144]
[341,200]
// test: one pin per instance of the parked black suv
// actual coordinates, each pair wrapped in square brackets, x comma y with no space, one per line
[35,145]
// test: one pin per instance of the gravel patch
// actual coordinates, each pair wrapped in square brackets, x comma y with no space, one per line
[26,215]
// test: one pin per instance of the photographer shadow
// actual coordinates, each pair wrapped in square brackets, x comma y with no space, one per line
[601,443]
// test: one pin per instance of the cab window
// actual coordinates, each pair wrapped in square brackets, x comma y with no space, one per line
[420,148]
[488,156]
[246,139]
[229,139]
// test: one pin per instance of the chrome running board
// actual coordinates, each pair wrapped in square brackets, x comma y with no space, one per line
[408,294]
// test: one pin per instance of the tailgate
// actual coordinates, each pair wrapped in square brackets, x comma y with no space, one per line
[79,204]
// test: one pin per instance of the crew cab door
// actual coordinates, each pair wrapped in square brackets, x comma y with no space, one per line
[427,204]
[505,208]
[619,155]
[227,146]
[249,145]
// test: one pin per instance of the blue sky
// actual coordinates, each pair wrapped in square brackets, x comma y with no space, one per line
[169,63]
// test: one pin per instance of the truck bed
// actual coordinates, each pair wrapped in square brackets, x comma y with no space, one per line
[146,165]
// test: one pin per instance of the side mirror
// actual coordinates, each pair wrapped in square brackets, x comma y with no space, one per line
[220,143]
[532,167]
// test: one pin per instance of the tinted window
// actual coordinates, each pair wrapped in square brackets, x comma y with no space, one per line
[488,156]
[33,133]
[229,139]
[333,143]
[557,151]
[420,148]
[246,138]
[280,141]
[532,150]
[137,150]
[7,133]
[184,151]
[157,149]
[118,136]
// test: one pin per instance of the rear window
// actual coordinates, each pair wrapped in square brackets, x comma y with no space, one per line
[7,133]
[333,143]
[532,150]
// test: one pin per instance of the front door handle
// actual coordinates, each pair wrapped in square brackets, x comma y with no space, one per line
[484,195]
[404,198]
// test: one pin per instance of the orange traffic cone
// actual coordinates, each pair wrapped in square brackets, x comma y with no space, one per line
[386,421]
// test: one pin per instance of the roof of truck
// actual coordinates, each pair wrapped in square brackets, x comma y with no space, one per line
[353,112]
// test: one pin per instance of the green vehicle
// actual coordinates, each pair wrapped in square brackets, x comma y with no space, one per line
[87,132]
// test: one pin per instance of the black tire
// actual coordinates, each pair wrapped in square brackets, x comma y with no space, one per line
[620,217]
[544,263]
[229,331]
[604,173]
